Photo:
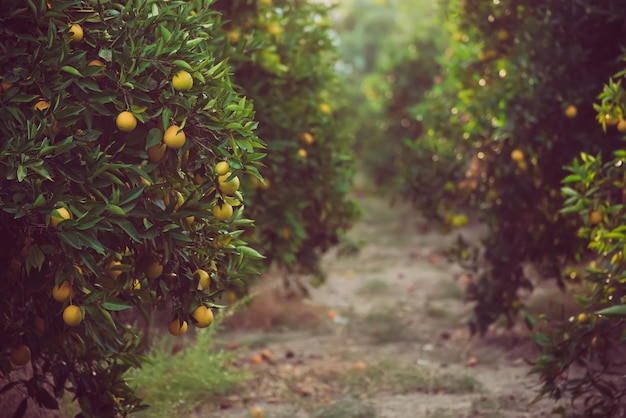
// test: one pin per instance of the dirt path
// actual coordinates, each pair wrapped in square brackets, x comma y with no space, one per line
[382,338]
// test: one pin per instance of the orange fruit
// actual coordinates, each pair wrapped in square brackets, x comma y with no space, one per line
[63,291]
[595,217]
[156,153]
[190,219]
[226,186]
[20,355]
[222,168]
[76,32]
[40,325]
[72,315]
[204,280]
[598,343]
[177,328]
[302,153]
[571,111]
[233,36]
[97,63]
[154,270]
[256,412]
[583,318]
[517,155]
[174,194]
[308,138]
[113,273]
[173,138]
[621,126]
[41,105]
[325,108]
[126,121]
[203,316]
[59,215]
[256,359]
[182,81]
[223,211]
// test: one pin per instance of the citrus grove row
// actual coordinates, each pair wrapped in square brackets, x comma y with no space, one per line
[518,118]
[154,155]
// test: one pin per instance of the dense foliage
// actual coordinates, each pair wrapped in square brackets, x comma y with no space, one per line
[303,207]
[106,206]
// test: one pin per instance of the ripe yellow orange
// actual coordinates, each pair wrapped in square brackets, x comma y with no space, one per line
[517,155]
[154,270]
[308,138]
[20,355]
[126,121]
[176,195]
[177,328]
[203,316]
[595,217]
[156,152]
[135,284]
[41,105]
[72,315]
[59,215]
[226,186]
[63,291]
[111,271]
[182,81]
[583,318]
[325,108]
[222,168]
[190,219]
[274,29]
[76,32]
[5,86]
[621,126]
[204,280]
[174,137]
[222,211]
[97,63]
[571,111]
[234,36]
[302,153]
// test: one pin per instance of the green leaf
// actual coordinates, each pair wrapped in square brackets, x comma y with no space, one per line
[250,252]
[182,64]
[117,305]
[71,70]
[618,310]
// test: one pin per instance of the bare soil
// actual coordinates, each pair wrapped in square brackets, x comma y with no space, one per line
[383,337]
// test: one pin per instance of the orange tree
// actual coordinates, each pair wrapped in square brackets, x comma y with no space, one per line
[513,108]
[117,120]
[593,340]
[302,208]
[388,53]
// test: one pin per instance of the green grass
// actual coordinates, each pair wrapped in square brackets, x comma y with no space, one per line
[177,383]
[383,324]
[373,287]
[403,378]
[347,408]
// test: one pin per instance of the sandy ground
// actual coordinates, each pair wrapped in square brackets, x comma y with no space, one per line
[383,337]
